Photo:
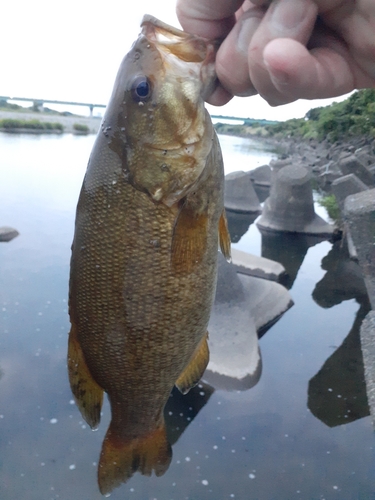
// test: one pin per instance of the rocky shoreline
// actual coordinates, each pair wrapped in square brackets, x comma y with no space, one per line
[346,170]
[329,161]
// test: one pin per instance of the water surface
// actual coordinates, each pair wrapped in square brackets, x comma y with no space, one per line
[302,432]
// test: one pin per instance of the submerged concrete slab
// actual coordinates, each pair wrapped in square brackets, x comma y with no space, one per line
[368,351]
[8,233]
[260,267]
[239,194]
[359,214]
[243,306]
[268,300]
[235,361]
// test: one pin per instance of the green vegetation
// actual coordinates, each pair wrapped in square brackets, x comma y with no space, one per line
[329,202]
[341,120]
[9,123]
[82,129]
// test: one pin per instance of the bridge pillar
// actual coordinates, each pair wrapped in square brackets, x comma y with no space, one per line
[91,110]
[38,105]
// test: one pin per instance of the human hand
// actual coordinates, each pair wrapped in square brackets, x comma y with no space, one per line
[286,49]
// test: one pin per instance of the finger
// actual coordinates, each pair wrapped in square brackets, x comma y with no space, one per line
[219,96]
[207,18]
[357,28]
[293,19]
[231,59]
[297,73]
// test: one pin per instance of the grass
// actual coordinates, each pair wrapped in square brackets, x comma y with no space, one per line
[10,123]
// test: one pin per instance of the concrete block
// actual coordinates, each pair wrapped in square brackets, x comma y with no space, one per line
[359,211]
[350,164]
[346,185]
[261,176]
[290,206]
[239,194]
[368,351]
[8,233]
[259,267]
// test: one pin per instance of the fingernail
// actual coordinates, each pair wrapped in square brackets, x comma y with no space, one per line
[287,14]
[279,78]
[247,28]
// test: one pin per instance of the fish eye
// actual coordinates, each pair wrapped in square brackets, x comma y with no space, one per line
[141,89]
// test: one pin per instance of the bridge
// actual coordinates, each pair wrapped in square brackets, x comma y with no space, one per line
[39,103]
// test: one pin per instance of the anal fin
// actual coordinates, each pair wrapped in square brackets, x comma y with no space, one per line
[194,370]
[224,237]
[87,393]
[120,459]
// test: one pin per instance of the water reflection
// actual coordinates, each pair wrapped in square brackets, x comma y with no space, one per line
[289,249]
[343,279]
[180,410]
[239,223]
[337,393]
[262,192]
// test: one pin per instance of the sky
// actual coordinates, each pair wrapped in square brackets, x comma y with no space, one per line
[71,51]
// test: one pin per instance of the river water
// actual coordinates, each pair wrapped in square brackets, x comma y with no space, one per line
[302,432]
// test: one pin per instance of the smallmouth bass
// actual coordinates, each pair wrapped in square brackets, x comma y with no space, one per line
[149,220]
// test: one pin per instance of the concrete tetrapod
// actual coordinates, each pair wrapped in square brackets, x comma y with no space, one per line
[290,206]
[239,193]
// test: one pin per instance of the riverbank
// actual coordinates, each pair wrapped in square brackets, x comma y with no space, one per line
[328,161]
[68,122]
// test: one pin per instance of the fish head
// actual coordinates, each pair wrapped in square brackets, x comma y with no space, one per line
[163,130]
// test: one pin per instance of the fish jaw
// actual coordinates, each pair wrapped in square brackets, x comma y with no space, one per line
[186,48]
[159,126]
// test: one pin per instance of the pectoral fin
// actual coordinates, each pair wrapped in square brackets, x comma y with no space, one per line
[189,240]
[224,237]
[195,369]
[87,393]
[120,459]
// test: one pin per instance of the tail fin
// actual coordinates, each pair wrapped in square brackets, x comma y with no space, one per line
[120,459]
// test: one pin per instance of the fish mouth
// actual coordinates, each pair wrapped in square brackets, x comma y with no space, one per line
[185,47]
